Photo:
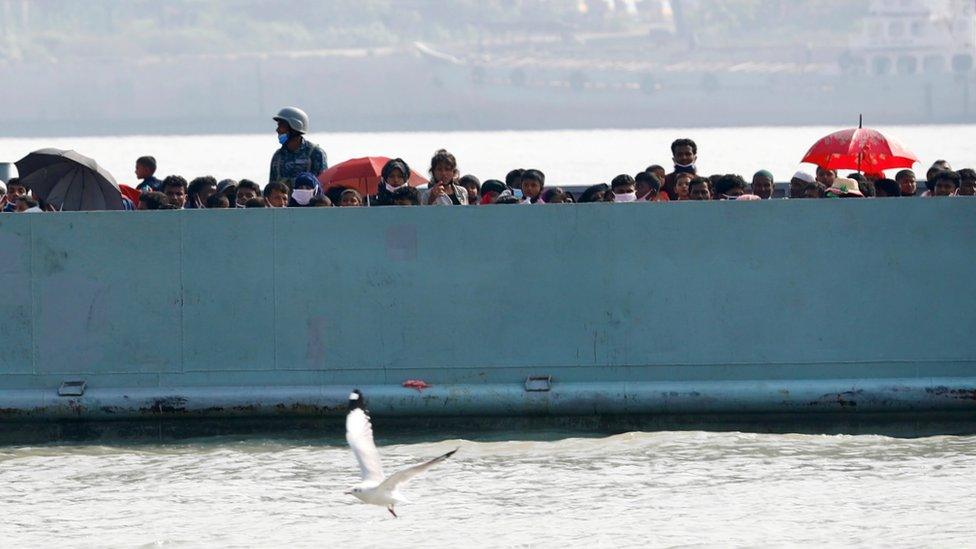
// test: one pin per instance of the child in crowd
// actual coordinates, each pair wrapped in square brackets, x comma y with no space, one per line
[15,190]
[320,202]
[533,181]
[682,184]
[350,198]
[444,189]
[406,196]
[276,194]
[146,172]
[473,185]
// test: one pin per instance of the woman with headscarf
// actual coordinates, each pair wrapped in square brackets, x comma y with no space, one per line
[394,175]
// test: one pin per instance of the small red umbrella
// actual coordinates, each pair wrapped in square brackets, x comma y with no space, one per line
[861,149]
[131,193]
[362,174]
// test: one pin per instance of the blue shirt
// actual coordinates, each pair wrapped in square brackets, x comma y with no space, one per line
[150,184]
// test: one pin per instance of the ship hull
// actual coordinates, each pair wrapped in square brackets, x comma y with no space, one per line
[228,317]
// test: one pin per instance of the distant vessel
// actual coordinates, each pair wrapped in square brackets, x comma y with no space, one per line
[916,37]
[912,62]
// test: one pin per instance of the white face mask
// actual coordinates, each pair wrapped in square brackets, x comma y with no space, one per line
[391,188]
[303,196]
[625,197]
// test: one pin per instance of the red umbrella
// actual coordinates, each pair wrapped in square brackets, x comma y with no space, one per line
[362,174]
[861,149]
[130,193]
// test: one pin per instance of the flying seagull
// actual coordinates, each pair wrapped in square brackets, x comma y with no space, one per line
[376,488]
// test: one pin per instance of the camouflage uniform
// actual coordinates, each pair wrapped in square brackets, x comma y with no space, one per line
[286,164]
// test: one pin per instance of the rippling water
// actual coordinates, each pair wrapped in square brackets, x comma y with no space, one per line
[632,490]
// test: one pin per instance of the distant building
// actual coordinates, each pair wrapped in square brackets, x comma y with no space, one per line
[916,36]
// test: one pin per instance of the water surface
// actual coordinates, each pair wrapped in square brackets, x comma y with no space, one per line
[568,157]
[632,490]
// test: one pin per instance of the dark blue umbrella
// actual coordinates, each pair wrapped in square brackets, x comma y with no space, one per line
[69,181]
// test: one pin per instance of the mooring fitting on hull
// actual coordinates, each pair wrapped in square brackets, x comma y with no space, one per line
[71,388]
[538,384]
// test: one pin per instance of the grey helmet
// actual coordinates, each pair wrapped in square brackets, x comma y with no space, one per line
[294,117]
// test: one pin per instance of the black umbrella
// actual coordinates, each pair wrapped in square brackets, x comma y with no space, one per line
[69,181]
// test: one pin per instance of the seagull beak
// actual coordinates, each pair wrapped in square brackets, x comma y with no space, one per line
[348,493]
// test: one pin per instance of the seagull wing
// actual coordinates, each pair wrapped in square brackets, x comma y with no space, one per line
[359,434]
[402,477]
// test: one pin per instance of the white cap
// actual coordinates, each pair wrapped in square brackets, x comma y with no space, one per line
[353,396]
[804,176]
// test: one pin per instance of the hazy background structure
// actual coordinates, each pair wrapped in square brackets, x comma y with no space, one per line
[186,66]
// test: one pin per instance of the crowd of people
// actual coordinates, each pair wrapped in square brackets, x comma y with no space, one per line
[295,168]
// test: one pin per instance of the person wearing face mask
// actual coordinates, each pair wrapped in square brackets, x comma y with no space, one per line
[624,188]
[393,176]
[303,190]
[684,153]
[297,154]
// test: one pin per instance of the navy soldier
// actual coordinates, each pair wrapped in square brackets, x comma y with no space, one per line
[297,154]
